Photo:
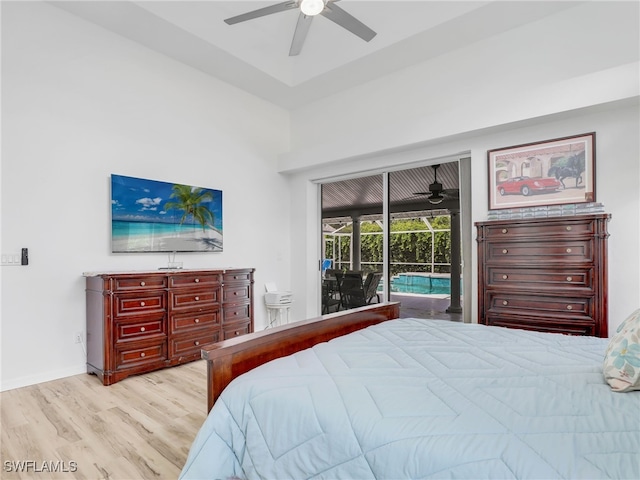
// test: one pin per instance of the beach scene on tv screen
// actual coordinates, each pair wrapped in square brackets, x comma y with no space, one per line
[154,216]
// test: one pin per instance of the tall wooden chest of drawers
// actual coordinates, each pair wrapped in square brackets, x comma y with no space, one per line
[546,274]
[138,322]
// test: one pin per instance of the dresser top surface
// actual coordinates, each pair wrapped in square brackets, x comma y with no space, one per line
[164,271]
[558,219]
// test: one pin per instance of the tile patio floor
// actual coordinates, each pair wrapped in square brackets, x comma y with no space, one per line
[425,306]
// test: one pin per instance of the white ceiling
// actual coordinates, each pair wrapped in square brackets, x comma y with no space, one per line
[253,55]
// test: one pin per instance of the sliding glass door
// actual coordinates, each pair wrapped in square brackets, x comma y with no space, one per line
[352,242]
[391,226]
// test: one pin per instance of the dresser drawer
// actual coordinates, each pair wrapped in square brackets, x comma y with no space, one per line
[194,321]
[124,284]
[539,305]
[236,313]
[139,329]
[540,278]
[238,276]
[552,325]
[236,293]
[131,356]
[543,228]
[205,280]
[140,303]
[235,330]
[573,251]
[197,300]
[191,345]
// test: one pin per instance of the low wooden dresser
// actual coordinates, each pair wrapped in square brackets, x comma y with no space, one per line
[545,274]
[142,321]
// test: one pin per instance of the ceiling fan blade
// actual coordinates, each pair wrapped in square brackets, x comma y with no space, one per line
[302,28]
[261,12]
[347,21]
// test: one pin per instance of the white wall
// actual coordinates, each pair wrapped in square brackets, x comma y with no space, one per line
[571,73]
[80,103]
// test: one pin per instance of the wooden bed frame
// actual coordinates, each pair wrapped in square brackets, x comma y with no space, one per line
[230,358]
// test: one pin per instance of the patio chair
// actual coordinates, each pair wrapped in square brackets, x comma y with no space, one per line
[331,301]
[351,289]
[371,286]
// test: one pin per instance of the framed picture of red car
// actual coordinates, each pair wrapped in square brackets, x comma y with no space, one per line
[552,172]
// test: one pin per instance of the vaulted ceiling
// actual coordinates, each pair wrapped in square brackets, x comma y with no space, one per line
[254,55]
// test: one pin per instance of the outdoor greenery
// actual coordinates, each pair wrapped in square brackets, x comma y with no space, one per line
[414,248]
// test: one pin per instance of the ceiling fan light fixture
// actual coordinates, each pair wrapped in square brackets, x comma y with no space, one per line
[311,7]
[435,188]
[435,199]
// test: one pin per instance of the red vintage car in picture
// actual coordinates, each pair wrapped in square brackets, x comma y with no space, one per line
[527,186]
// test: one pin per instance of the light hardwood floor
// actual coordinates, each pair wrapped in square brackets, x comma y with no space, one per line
[139,428]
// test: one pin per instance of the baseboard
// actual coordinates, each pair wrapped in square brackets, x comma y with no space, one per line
[41,378]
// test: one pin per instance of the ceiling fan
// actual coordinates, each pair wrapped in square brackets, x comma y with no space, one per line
[308,10]
[436,193]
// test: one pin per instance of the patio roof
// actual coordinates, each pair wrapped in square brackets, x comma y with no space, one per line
[363,195]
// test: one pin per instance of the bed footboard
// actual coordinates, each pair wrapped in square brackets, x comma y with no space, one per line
[230,358]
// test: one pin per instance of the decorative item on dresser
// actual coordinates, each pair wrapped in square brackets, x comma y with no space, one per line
[546,274]
[142,321]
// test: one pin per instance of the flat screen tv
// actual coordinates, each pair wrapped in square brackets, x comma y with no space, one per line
[153,216]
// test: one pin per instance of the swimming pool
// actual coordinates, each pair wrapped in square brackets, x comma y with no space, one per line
[423,283]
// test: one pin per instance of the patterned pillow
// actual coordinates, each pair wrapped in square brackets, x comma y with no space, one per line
[621,367]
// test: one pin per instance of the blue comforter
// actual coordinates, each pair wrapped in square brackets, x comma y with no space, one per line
[414,398]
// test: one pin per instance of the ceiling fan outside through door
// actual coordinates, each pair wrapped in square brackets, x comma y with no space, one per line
[437,193]
[308,10]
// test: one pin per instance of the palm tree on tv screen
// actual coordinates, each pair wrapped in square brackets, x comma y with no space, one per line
[190,200]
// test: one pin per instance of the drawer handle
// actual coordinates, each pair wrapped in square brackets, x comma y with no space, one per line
[504,277]
[142,354]
[236,333]
[504,302]
[197,320]
[197,280]
[569,279]
[568,229]
[196,343]
[569,307]
[142,284]
[505,230]
[568,250]
[505,251]
[142,329]
[197,298]
[142,304]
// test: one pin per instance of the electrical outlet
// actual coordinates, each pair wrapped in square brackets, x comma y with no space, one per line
[77,337]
